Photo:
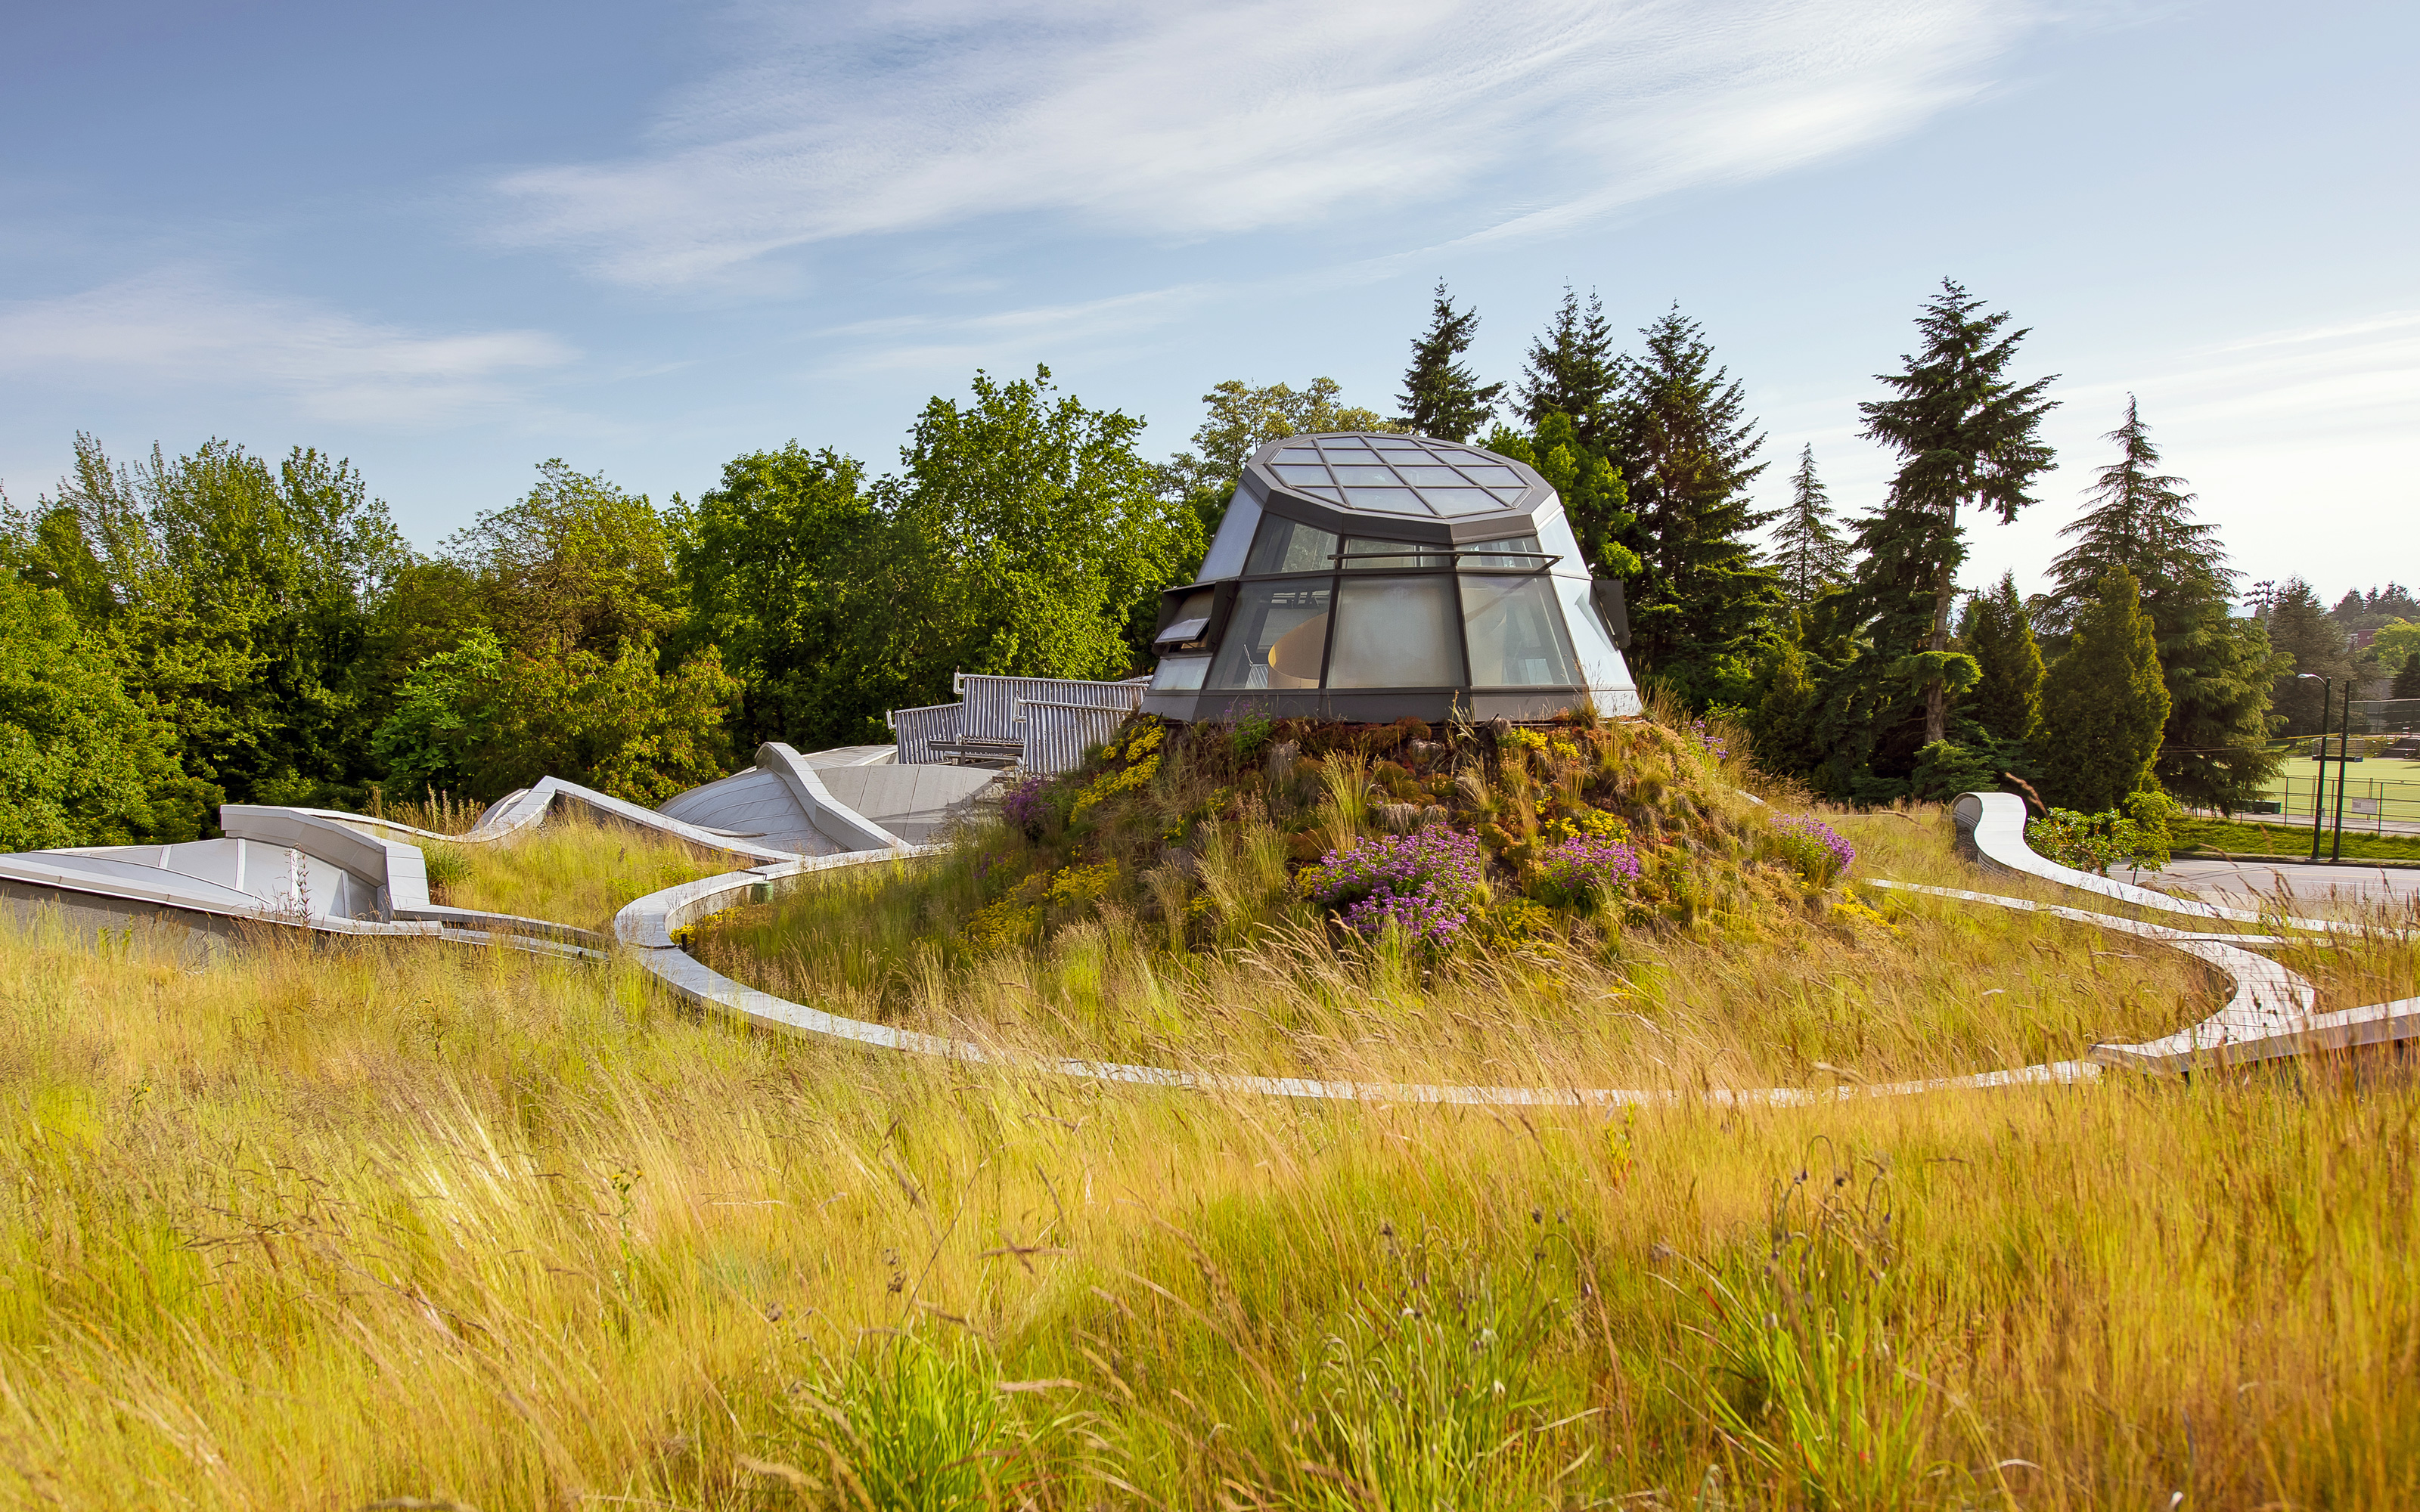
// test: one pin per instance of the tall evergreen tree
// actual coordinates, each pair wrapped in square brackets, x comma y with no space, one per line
[1704,608]
[1782,723]
[2103,705]
[2300,629]
[1442,397]
[1573,371]
[1999,635]
[1971,438]
[2142,520]
[1808,551]
[2218,669]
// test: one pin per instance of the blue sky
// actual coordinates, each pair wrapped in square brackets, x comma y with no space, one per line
[451,241]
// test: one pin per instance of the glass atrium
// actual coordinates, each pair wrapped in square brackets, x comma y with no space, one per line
[1370,578]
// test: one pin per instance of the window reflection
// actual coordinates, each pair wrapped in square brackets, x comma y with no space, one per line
[1512,551]
[1394,555]
[1282,545]
[1517,639]
[1395,632]
[1275,637]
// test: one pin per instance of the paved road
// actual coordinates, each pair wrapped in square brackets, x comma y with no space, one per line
[2236,881]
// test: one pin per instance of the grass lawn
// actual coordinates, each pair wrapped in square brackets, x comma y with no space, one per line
[2286,842]
[2397,784]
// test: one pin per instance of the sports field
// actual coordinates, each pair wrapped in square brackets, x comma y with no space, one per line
[2381,793]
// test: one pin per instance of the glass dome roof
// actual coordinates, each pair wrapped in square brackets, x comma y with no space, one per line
[1397,475]
[1373,576]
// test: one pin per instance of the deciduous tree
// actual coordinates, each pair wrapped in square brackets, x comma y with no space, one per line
[80,763]
[769,562]
[1025,536]
[237,597]
[2407,682]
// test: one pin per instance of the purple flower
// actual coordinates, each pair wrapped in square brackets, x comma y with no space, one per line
[1714,744]
[1024,809]
[1818,851]
[1572,872]
[1420,882]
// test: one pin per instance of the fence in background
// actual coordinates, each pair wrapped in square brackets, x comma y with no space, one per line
[2373,806]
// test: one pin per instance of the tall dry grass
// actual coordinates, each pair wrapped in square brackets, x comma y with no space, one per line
[1757,991]
[370,1223]
[574,868]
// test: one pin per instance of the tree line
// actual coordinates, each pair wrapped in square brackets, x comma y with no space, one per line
[177,632]
[1845,646]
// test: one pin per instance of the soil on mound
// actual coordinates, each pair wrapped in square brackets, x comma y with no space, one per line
[1491,833]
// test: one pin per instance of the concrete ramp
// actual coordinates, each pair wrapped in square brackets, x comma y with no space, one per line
[913,802]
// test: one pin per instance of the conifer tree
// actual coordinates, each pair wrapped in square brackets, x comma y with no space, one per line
[2218,669]
[2142,520]
[2300,629]
[2407,682]
[1441,396]
[1808,552]
[1704,608]
[2103,705]
[1971,438]
[1999,635]
[1573,371]
[1781,724]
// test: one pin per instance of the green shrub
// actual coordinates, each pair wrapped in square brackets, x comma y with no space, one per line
[2138,835]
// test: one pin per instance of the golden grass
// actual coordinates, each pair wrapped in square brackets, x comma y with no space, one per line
[1761,990]
[571,869]
[371,1223]
[376,1223]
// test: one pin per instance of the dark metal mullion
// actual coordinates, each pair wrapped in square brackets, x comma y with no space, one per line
[1327,645]
[1461,630]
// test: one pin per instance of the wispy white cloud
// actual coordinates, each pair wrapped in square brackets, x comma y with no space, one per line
[914,342]
[186,327]
[1172,123]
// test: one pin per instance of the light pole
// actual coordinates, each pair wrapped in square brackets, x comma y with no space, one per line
[2344,769]
[2319,794]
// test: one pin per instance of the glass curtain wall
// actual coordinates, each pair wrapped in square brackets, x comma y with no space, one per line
[1363,612]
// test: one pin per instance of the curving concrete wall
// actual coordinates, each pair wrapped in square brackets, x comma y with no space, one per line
[211,888]
[2268,1012]
[1991,827]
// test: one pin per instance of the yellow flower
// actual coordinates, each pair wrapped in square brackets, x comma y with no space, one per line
[1011,921]
[1123,781]
[1077,884]
[1857,913]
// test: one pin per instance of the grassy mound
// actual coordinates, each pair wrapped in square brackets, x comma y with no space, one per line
[1187,899]
[573,868]
[1628,821]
